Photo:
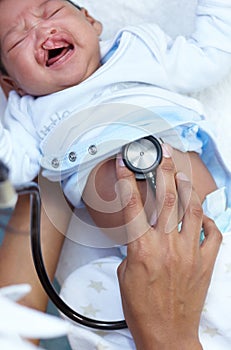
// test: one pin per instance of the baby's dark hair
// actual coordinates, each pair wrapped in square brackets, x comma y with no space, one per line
[77,6]
[3,69]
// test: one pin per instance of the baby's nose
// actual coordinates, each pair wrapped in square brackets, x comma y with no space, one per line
[44,33]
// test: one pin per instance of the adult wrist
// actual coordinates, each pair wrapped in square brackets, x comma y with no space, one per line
[150,342]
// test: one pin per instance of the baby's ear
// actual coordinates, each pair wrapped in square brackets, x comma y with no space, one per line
[97,25]
[8,84]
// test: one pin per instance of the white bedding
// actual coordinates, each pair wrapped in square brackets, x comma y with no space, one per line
[116,14]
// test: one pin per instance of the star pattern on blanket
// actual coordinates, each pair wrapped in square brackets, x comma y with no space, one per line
[101,333]
[97,285]
[205,308]
[211,331]
[99,264]
[228,268]
[89,310]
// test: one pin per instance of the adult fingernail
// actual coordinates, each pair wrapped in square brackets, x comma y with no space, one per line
[120,160]
[153,218]
[167,150]
[182,177]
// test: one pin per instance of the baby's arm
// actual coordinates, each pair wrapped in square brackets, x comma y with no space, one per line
[202,59]
[102,184]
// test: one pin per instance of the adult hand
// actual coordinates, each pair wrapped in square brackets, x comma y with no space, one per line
[166,275]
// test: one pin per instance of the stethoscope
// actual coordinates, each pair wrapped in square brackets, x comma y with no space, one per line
[142,157]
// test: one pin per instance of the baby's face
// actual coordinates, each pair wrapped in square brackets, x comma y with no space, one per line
[47,46]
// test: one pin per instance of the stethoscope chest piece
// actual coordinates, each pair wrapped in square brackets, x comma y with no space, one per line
[142,156]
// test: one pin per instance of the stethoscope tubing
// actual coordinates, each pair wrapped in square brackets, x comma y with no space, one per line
[35,217]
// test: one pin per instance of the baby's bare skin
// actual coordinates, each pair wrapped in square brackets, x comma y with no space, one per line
[101,198]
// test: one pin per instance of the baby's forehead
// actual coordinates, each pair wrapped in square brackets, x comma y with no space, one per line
[20,5]
[12,12]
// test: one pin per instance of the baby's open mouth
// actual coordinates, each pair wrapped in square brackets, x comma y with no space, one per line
[57,53]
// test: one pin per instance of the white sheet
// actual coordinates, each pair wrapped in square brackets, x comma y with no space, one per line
[174,16]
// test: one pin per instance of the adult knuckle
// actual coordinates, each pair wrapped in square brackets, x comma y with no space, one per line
[168,166]
[132,200]
[196,211]
[217,235]
[217,238]
[144,252]
[170,199]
